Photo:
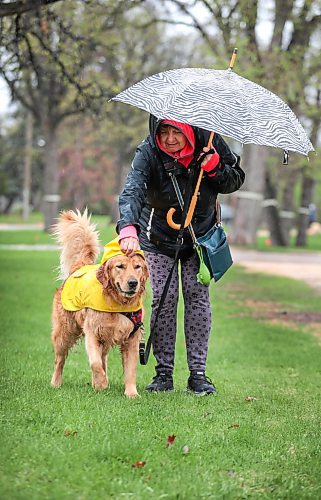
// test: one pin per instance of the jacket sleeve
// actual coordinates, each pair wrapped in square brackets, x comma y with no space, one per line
[132,198]
[230,176]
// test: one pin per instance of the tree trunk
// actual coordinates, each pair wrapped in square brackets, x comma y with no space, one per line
[121,172]
[287,214]
[272,213]
[250,197]
[9,202]
[27,167]
[303,218]
[51,197]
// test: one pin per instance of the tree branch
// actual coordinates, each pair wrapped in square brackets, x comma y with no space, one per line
[196,24]
[21,6]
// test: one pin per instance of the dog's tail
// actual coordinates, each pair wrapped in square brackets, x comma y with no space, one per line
[78,240]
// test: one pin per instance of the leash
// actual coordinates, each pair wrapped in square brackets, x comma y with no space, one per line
[144,349]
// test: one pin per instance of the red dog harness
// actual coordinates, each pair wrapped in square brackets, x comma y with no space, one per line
[136,318]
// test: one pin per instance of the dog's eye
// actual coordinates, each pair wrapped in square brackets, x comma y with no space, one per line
[137,267]
[120,266]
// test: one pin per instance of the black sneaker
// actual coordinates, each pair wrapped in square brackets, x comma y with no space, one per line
[161,382]
[199,384]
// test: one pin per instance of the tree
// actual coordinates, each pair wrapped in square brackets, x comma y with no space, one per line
[12,146]
[112,140]
[51,63]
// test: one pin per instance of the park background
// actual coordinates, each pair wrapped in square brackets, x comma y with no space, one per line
[64,145]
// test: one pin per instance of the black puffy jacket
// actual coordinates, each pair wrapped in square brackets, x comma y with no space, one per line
[149,194]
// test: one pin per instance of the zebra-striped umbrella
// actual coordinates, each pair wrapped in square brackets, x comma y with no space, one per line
[222,101]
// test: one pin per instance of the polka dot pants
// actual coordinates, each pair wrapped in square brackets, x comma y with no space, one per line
[197,312]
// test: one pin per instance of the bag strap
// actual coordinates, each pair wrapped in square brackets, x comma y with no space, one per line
[218,210]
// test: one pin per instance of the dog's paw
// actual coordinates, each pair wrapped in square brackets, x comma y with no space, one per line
[99,380]
[100,386]
[56,383]
[131,393]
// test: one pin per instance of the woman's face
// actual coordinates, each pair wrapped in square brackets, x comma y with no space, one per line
[171,138]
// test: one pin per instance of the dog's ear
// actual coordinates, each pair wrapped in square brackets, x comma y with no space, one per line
[145,272]
[102,275]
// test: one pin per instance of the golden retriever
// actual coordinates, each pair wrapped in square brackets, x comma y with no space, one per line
[122,278]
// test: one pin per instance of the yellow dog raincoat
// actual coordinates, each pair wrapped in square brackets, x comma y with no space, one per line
[82,289]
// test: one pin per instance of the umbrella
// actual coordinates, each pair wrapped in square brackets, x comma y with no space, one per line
[222,101]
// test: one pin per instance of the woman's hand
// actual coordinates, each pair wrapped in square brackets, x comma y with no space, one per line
[129,245]
[210,162]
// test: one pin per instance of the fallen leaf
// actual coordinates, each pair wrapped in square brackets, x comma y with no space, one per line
[139,464]
[170,440]
[185,449]
[250,398]
[233,425]
[70,432]
[231,473]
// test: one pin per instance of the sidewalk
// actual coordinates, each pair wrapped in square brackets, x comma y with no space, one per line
[303,266]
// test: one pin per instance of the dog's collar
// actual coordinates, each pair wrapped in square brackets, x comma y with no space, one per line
[136,318]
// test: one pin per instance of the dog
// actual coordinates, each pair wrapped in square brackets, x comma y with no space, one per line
[116,284]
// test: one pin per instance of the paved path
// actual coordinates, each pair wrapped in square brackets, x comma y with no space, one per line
[304,266]
[20,227]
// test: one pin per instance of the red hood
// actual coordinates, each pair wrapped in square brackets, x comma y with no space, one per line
[184,156]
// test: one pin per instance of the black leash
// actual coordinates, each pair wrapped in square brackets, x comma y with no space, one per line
[144,350]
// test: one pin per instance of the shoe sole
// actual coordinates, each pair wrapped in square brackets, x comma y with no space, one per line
[200,394]
[159,390]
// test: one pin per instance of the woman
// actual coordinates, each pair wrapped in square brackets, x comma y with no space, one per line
[173,147]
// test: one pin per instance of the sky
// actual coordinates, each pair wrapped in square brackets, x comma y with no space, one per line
[4,97]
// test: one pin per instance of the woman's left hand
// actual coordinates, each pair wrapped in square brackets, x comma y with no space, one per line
[210,162]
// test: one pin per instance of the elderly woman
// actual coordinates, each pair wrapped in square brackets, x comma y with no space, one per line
[147,196]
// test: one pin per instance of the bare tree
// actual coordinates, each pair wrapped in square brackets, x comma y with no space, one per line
[51,63]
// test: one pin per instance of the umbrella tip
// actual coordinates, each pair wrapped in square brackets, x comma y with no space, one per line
[233,58]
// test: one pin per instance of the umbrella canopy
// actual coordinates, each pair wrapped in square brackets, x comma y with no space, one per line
[222,101]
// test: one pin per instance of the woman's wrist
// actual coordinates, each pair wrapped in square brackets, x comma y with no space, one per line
[128,232]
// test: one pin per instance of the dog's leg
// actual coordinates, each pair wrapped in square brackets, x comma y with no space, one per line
[61,352]
[130,359]
[94,351]
[104,360]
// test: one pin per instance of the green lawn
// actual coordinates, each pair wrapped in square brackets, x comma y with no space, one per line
[73,443]
[38,236]
[313,244]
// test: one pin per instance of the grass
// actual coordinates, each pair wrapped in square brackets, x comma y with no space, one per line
[73,443]
[40,237]
[313,244]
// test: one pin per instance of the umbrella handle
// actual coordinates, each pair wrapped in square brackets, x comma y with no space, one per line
[170,222]
[189,216]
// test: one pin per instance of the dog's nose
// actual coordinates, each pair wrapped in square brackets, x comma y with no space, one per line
[132,283]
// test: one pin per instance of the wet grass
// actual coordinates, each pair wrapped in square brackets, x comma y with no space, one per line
[75,443]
